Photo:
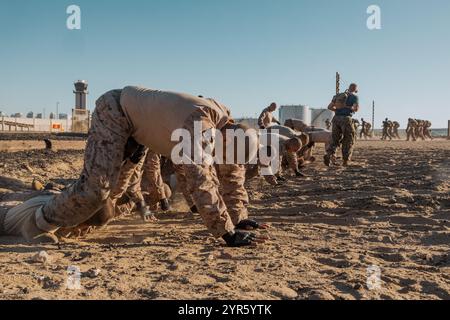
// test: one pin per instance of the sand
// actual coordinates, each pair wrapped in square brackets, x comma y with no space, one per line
[389,212]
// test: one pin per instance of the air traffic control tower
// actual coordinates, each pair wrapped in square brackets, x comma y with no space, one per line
[81,93]
[80,113]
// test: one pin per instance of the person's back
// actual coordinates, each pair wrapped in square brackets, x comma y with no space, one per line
[156,114]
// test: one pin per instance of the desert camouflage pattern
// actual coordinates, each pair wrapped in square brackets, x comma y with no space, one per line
[266,118]
[420,129]
[411,130]
[427,130]
[182,185]
[129,181]
[203,182]
[395,127]
[343,132]
[387,130]
[152,181]
[232,180]
[103,161]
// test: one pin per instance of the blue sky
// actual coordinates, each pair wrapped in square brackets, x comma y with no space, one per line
[245,53]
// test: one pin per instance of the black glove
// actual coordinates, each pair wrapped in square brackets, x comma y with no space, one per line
[249,224]
[299,174]
[137,156]
[194,209]
[165,206]
[239,239]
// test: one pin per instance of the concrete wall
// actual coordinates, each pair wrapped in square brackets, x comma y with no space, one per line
[40,125]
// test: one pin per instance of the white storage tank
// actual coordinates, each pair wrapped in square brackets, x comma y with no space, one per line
[299,112]
[320,116]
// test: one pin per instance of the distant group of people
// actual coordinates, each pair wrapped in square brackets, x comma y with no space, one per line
[390,130]
[418,129]
[366,129]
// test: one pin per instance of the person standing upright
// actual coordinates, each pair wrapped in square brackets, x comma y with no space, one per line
[344,105]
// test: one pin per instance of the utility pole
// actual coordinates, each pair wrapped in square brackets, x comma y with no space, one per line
[338,82]
[373,117]
[57,110]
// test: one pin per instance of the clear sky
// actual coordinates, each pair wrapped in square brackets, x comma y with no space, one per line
[245,53]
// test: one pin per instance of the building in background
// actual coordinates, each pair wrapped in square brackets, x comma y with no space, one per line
[300,112]
[81,92]
[319,117]
[80,113]
[312,117]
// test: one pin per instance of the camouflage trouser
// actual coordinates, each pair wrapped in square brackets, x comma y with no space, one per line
[419,133]
[396,134]
[386,134]
[203,183]
[103,160]
[427,133]
[291,159]
[232,179]
[152,179]
[129,182]
[343,132]
[182,185]
[411,133]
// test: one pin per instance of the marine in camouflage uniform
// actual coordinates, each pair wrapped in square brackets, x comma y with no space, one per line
[395,127]
[266,119]
[420,129]
[426,130]
[344,106]
[288,149]
[119,115]
[386,130]
[411,130]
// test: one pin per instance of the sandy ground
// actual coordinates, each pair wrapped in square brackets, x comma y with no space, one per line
[25,145]
[391,211]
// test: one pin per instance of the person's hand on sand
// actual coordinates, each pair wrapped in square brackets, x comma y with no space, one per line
[146,214]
